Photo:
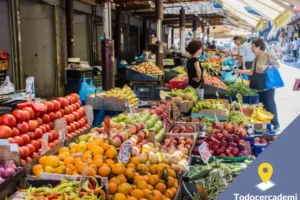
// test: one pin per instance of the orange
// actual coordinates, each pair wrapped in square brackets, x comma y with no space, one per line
[150,187]
[131,165]
[112,188]
[153,179]
[38,173]
[115,180]
[110,162]
[147,193]
[81,147]
[69,160]
[161,187]
[99,141]
[63,150]
[129,173]
[91,145]
[131,198]
[104,171]
[122,178]
[48,169]
[94,167]
[117,169]
[146,178]
[134,160]
[176,185]
[97,150]
[98,162]
[153,169]
[170,182]
[142,185]
[169,194]
[119,196]
[136,179]
[137,193]
[37,168]
[123,188]
[77,160]
[61,163]
[171,173]
[42,159]
[90,161]
[105,146]
[142,167]
[174,190]
[111,153]
[86,156]
[98,156]
[51,161]
[155,195]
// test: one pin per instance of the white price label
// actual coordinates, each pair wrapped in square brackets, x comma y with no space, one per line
[204,152]
[45,146]
[62,134]
[4,142]
[123,156]
[89,113]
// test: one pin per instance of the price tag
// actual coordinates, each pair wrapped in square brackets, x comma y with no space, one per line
[4,142]
[89,113]
[123,156]
[164,125]
[62,134]
[216,118]
[83,178]
[204,152]
[14,148]
[29,90]
[217,94]
[45,146]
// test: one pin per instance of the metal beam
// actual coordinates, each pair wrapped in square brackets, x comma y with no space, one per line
[70,28]
[284,5]
[90,2]
[293,2]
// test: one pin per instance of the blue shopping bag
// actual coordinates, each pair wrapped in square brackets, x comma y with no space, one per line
[273,78]
[84,90]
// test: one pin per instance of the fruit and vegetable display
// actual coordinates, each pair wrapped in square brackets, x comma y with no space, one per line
[213,81]
[147,68]
[123,93]
[225,140]
[26,126]
[264,140]
[260,115]
[208,104]
[240,88]
[236,117]
[188,94]
[211,64]
[202,120]
[208,176]
[212,71]
[7,169]
[68,190]
[181,128]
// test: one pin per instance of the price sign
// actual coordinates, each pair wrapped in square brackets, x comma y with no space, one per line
[4,142]
[45,146]
[204,152]
[83,178]
[123,156]
[89,113]
[62,134]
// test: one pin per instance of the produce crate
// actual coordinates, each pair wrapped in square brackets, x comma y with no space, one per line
[3,64]
[169,75]
[178,84]
[211,90]
[79,74]
[145,91]
[246,99]
[132,75]
[97,101]
[4,55]
[157,91]
[194,134]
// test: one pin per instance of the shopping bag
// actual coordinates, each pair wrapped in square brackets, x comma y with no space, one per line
[92,86]
[273,78]
[230,77]
[297,85]
[84,90]
[7,87]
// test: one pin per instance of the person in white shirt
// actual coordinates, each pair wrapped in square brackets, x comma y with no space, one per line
[295,49]
[245,51]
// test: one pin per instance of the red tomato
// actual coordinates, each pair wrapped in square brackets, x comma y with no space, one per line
[58,115]
[23,105]
[71,117]
[80,103]
[34,155]
[31,112]
[80,113]
[77,105]
[82,109]
[23,127]
[23,162]
[51,125]
[69,129]
[76,116]
[73,127]
[15,132]
[47,127]
[71,109]
[32,125]
[28,159]
[39,120]
[40,141]
[5,132]
[43,128]
[21,152]
[80,123]
[36,144]
[87,126]
[56,105]
[18,140]
[83,128]
[63,102]
[74,107]
[51,145]
[66,110]
[74,134]
[39,107]
[54,134]
[49,105]
[79,131]
[68,119]
[56,142]
[62,111]
[70,99]
[11,140]
[52,116]
[77,126]
[69,136]
[85,120]
[75,96]
[26,115]
[26,138]
[31,148]
[8,120]
[31,135]
[19,115]
[38,133]
[46,118]
[50,137]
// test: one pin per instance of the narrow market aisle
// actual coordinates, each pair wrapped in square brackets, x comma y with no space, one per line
[288,101]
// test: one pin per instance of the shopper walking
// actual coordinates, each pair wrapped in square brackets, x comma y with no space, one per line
[194,68]
[262,61]
[295,49]
[245,53]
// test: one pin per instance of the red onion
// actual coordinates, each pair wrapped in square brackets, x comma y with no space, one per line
[8,172]
[10,164]
[1,180]
[1,170]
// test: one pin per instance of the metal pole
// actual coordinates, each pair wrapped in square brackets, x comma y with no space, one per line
[70,28]
[159,18]
[172,36]
[182,30]
[145,33]
[118,34]
[203,32]
[195,28]
[207,34]
[107,19]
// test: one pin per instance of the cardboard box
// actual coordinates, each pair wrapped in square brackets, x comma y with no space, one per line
[194,134]
[185,106]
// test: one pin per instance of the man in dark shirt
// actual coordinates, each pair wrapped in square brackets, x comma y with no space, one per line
[213,46]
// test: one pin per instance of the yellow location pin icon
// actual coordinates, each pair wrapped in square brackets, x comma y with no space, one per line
[265,171]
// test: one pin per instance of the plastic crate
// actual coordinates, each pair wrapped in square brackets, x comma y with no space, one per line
[97,81]
[157,91]
[79,74]
[73,86]
[4,55]
[3,64]
[145,91]
[178,84]
[251,99]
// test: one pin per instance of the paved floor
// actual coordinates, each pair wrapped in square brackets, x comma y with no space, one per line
[287,100]
[292,64]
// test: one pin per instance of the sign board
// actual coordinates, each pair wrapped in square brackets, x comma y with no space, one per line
[29,89]
[123,156]
[89,113]
[60,125]
[204,152]
[9,152]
